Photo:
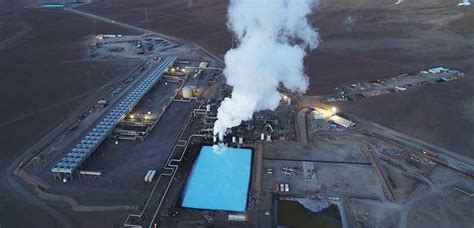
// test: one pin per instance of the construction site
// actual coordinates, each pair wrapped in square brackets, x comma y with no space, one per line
[145,153]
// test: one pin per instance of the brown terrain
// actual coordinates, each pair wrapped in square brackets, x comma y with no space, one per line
[43,78]
[43,81]
[361,41]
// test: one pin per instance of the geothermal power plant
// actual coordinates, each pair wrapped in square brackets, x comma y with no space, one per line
[240,113]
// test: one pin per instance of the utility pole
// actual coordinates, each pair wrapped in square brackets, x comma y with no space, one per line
[146,14]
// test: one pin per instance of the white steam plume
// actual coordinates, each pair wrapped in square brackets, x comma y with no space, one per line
[464,3]
[274,36]
[398,2]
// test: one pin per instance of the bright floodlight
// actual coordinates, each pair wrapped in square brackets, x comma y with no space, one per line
[334,110]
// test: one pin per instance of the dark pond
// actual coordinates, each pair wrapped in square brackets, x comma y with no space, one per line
[293,214]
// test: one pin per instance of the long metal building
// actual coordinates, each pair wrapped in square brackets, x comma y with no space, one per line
[69,164]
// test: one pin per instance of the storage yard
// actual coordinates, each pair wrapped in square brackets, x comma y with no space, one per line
[400,83]
[135,152]
[106,46]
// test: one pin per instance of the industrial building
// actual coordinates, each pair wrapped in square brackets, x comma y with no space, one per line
[341,121]
[69,164]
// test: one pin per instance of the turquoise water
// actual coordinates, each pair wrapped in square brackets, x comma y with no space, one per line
[53,5]
[219,180]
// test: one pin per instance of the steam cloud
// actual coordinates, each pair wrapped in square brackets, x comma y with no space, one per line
[464,3]
[398,2]
[274,36]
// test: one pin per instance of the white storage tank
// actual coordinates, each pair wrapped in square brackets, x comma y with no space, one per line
[152,175]
[237,217]
[147,175]
[187,92]
[318,114]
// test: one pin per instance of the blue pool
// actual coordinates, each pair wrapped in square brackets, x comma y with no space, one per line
[219,180]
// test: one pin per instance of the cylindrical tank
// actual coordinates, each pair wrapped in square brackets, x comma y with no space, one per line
[262,136]
[241,140]
[208,108]
[187,92]
[234,140]
[237,217]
